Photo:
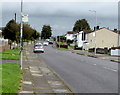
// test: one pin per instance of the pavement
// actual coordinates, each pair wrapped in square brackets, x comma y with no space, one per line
[91,54]
[38,78]
[100,56]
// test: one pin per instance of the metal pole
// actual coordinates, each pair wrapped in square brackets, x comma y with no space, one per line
[21,34]
[95,27]
[15,17]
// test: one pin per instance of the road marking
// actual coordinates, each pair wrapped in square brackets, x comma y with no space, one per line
[110,69]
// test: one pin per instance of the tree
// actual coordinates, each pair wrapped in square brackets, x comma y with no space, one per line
[11,31]
[36,35]
[46,32]
[27,32]
[81,25]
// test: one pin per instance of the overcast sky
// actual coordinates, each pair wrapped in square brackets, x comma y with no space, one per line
[61,16]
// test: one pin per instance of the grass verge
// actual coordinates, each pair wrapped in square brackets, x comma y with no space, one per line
[10,55]
[11,77]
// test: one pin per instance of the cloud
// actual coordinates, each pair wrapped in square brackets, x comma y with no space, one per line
[61,0]
[62,15]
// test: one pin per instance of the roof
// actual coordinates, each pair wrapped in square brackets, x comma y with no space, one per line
[70,32]
[107,29]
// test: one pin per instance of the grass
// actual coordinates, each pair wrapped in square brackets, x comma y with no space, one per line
[72,47]
[10,55]
[11,76]
[61,43]
[0,78]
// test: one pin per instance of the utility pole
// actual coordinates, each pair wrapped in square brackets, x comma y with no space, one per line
[95,27]
[21,34]
[15,17]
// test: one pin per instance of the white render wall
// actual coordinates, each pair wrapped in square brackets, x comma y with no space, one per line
[79,39]
[80,42]
[3,41]
[104,38]
[70,36]
[115,52]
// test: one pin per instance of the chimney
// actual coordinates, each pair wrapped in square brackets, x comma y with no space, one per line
[96,28]
[115,29]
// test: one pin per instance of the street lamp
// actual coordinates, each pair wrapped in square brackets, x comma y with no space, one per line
[21,34]
[95,26]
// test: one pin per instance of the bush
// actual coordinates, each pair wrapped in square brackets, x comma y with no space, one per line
[69,42]
[99,50]
[62,46]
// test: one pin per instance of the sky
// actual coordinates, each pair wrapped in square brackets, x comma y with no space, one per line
[62,15]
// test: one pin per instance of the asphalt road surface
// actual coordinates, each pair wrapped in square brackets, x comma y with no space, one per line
[83,74]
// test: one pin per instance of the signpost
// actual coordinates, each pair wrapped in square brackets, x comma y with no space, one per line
[21,34]
[24,19]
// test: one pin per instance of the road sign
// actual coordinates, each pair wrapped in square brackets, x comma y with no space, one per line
[25,18]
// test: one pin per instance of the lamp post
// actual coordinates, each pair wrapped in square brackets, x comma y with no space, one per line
[21,35]
[95,27]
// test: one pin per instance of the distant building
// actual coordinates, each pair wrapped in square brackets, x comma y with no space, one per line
[70,35]
[2,40]
[104,38]
[81,38]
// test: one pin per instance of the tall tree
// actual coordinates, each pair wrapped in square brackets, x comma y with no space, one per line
[27,32]
[46,32]
[81,25]
[36,35]
[11,31]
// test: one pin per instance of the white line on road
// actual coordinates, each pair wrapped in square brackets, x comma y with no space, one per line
[110,69]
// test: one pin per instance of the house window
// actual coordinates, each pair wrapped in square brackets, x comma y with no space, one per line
[83,36]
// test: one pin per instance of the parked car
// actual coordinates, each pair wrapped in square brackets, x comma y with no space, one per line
[38,47]
[45,43]
[50,42]
[47,40]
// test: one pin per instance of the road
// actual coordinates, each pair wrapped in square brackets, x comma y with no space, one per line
[83,74]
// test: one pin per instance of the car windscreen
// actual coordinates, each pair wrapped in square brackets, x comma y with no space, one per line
[38,45]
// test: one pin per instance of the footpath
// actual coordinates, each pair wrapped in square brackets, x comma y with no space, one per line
[99,56]
[38,78]
[92,54]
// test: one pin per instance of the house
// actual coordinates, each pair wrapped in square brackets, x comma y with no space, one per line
[70,35]
[81,38]
[104,38]
[3,41]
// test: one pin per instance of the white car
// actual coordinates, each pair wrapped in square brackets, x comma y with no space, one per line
[45,43]
[38,47]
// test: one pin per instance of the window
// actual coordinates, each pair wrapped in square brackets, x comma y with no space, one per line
[83,36]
